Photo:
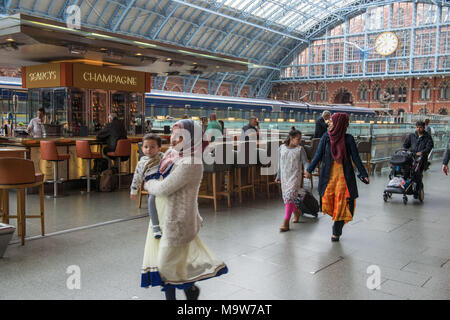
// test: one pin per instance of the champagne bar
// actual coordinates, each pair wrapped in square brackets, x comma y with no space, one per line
[77,98]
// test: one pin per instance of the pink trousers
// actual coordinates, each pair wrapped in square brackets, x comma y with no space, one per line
[289,209]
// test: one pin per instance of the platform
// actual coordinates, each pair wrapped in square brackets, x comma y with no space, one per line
[409,243]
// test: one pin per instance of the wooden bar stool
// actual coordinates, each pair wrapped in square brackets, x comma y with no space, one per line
[242,161]
[50,153]
[268,180]
[218,174]
[84,152]
[19,174]
[123,149]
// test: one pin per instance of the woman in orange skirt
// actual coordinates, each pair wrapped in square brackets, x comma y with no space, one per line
[337,182]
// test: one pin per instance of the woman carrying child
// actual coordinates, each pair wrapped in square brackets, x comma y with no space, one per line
[291,163]
[179,258]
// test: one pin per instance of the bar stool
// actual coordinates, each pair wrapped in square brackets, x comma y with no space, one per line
[269,180]
[217,173]
[250,169]
[19,174]
[123,149]
[50,153]
[84,152]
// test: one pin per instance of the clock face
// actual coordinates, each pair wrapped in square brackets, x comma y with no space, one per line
[386,43]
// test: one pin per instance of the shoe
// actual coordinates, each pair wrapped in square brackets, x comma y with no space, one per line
[297,215]
[334,239]
[192,293]
[285,226]
[157,232]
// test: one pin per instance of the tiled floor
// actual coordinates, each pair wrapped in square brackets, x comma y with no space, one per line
[410,244]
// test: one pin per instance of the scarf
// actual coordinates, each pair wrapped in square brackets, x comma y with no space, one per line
[337,137]
[190,147]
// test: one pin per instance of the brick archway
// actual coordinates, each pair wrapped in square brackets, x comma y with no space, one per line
[342,95]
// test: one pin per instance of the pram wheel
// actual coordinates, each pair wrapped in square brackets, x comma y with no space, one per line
[385,197]
[405,199]
[421,195]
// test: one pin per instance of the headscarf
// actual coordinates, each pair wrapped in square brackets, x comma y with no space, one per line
[190,147]
[337,137]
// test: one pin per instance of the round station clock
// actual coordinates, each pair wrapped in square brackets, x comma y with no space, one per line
[386,43]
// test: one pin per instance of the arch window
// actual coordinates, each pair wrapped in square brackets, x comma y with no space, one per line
[299,94]
[444,91]
[402,91]
[425,91]
[363,93]
[391,90]
[376,92]
[323,93]
[310,94]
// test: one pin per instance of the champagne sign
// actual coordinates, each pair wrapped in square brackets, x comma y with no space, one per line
[94,77]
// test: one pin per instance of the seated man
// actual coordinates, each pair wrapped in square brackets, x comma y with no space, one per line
[111,133]
[421,144]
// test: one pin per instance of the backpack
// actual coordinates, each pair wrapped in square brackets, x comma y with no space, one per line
[307,203]
[108,180]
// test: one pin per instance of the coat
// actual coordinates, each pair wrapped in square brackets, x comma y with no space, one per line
[112,132]
[182,219]
[321,128]
[323,154]
[447,154]
[422,144]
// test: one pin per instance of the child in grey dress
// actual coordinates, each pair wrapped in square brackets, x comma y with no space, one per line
[148,166]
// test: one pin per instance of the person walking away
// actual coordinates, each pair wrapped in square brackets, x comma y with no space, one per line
[179,258]
[147,168]
[421,144]
[337,184]
[322,125]
[428,128]
[446,158]
[214,129]
[111,133]
[292,161]
[36,125]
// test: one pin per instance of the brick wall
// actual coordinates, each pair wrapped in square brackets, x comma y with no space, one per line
[413,104]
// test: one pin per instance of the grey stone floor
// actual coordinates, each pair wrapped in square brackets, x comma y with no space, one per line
[410,244]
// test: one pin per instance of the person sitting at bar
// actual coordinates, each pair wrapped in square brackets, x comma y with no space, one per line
[251,129]
[36,125]
[111,133]
[214,128]
[321,124]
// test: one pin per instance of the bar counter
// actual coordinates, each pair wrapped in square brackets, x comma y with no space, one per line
[75,167]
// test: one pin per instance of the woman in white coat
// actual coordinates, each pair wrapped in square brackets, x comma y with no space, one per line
[179,258]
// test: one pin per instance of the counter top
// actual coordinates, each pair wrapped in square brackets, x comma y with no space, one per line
[61,141]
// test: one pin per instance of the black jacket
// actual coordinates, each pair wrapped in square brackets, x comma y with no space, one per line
[422,144]
[323,154]
[111,133]
[447,154]
[321,128]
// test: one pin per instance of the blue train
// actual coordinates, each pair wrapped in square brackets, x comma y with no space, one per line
[177,104]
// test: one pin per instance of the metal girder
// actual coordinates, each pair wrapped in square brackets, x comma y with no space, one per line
[160,82]
[7,5]
[166,19]
[244,82]
[237,19]
[90,11]
[199,26]
[220,83]
[122,16]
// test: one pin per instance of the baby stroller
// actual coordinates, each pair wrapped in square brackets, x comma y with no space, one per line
[405,176]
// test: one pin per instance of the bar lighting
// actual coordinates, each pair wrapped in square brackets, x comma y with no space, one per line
[291,120]
[371,122]
[230,119]
[160,118]
[312,120]
[280,120]
[195,118]
[267,120]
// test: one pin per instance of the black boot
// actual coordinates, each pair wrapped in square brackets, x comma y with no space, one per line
[192,293]
[170,293]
